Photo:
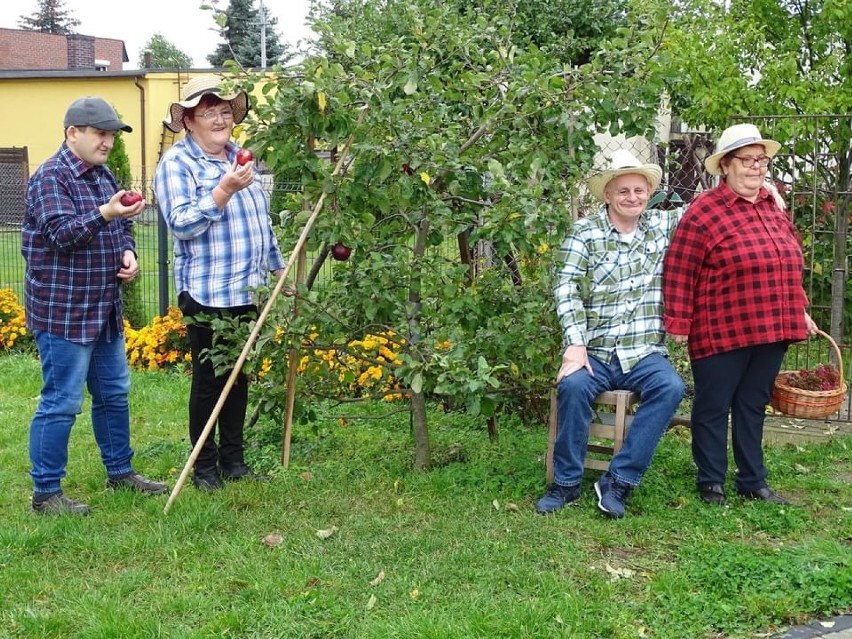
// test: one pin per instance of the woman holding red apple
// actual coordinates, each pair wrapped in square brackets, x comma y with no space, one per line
[224,249]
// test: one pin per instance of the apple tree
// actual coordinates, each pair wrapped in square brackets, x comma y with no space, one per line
[465,140]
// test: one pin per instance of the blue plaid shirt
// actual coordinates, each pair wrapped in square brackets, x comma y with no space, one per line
[220,254]
[73,254]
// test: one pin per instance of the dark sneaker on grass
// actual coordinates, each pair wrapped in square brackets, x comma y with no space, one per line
[612,496]
[59,504]
[238,472]
[207,480]
[556,497]
[139,483]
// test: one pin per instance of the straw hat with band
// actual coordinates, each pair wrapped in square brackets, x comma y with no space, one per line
[196,89]
[623,163]
[735,137]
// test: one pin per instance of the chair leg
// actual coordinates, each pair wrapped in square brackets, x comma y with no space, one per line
[551,436]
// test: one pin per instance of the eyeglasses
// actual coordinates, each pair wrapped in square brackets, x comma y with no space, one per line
[213,115]
[748,161]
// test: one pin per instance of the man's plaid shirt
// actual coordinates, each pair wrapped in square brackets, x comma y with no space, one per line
[609,294]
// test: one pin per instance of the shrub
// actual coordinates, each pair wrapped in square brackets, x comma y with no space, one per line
[13,331]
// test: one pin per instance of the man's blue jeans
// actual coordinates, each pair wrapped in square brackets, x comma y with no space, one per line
[660,390]
[64,368]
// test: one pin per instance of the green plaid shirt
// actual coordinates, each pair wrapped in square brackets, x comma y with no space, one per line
[609,293]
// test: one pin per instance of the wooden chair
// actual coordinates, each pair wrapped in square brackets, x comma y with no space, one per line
[604,425]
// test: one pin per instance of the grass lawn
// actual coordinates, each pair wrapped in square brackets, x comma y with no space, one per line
[454,552]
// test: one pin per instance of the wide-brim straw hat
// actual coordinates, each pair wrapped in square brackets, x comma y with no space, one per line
[736,137]
[196,89]
[623,162]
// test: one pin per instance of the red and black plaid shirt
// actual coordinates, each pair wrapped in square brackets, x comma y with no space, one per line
[733,275]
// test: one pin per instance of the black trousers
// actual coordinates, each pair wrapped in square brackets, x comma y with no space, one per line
[738,383]
[207,387]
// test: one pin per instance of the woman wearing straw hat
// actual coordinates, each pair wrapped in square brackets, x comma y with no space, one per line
[732,286]
[224,247]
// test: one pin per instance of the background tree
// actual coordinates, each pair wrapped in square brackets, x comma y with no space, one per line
[50,17]
[164,55]
[240,27]
[131,292]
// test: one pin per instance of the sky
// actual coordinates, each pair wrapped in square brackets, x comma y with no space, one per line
[181,22]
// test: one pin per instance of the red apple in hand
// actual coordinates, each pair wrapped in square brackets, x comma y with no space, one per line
[130,198]
[341,252]
[244,156]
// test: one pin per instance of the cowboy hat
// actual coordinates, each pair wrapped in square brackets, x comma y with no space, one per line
[623,162]
[736,137]
[196,89]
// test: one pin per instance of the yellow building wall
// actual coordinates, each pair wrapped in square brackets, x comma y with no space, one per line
[34,107]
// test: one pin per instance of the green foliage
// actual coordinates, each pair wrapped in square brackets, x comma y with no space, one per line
[164,55]
[50,17]
[469,137]
[131,292]
[240,27]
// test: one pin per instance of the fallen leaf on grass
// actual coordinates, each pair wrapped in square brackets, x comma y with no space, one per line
[379,578]
[496,504]
[414,594]
[328,532]
[619,573]
[273,539]
[307,476]
[371,602]
[512,508]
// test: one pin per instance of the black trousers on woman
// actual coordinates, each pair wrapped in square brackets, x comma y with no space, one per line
[207,387]
[738,383]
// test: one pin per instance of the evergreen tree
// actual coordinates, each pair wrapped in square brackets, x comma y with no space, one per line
[241,32]
[131,292]
[51,17]
[164,55]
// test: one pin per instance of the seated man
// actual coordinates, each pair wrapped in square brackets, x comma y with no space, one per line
[609,301]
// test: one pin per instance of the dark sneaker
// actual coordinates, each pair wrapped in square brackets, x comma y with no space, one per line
[611,496]
[237,472]
[764,494]
[712,494]
[140,484]
[207,480]
[59,504]
[556,497]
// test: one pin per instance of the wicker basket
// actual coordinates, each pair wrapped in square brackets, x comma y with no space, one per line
[808,404]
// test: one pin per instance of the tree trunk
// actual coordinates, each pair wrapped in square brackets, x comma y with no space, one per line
[840,275]
[422,454]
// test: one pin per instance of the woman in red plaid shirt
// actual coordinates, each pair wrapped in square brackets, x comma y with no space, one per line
[732,287]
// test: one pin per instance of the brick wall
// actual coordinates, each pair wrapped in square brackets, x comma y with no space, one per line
[22,49]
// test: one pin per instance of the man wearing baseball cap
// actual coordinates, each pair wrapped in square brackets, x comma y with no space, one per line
[609,301]
[78,247]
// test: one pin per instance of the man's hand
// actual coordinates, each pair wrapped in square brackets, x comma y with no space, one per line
[573,359]
[678,339]
[129,267]
[115,209]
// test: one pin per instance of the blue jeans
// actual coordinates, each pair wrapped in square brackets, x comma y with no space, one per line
[64,367]
[660,390]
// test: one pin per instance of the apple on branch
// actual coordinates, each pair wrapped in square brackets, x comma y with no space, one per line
[341,252]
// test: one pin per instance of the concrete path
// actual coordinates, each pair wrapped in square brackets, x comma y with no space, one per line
[834,628]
